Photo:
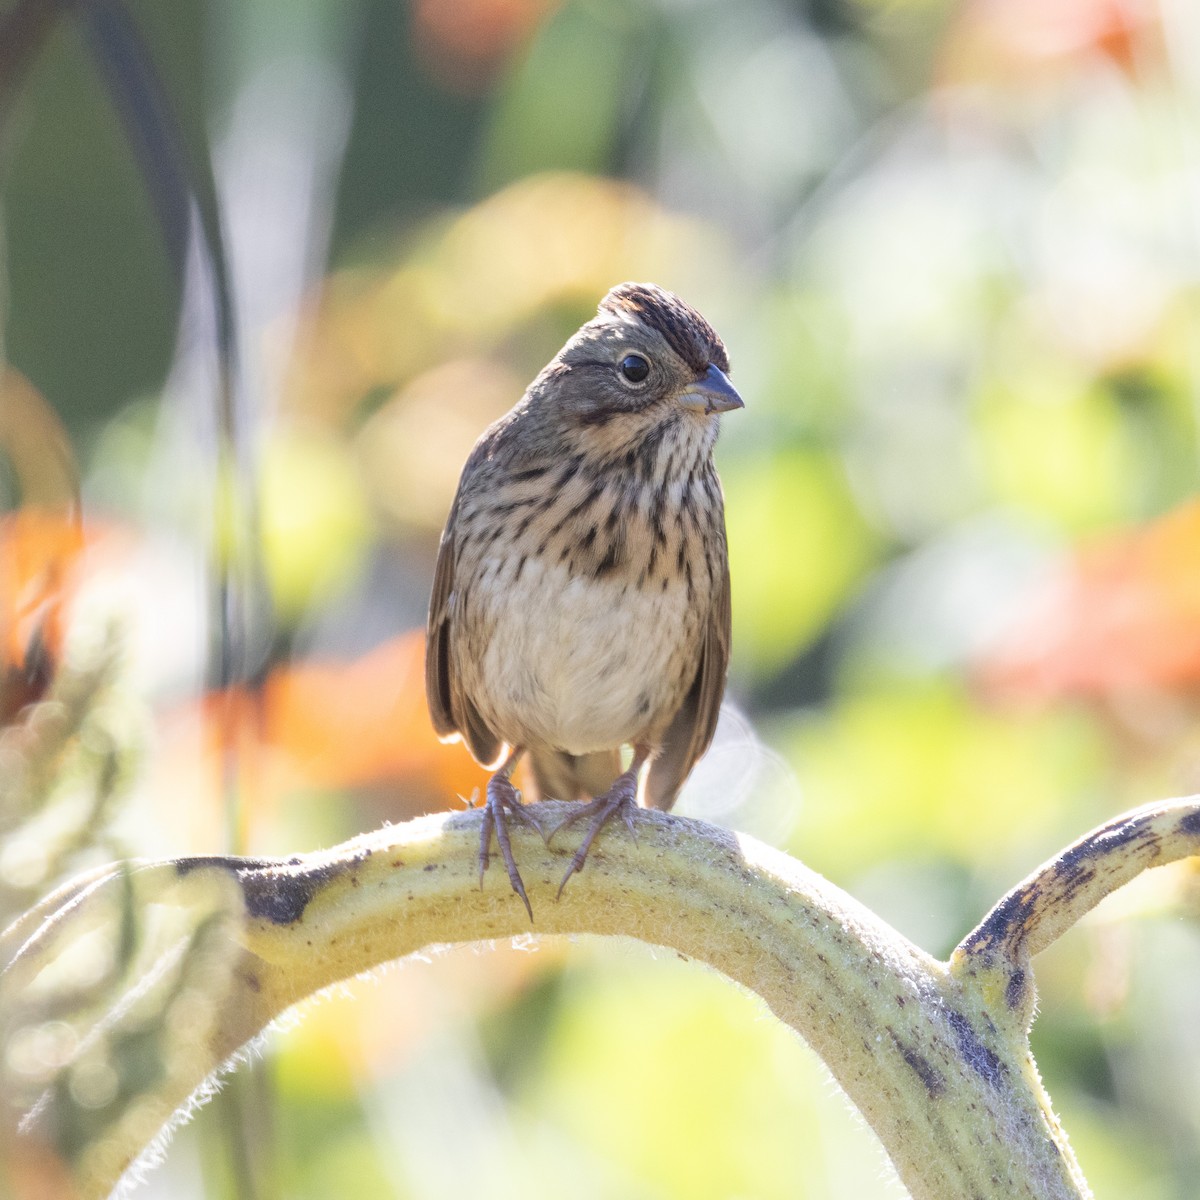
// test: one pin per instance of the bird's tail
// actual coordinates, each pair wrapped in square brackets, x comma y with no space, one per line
[558,775]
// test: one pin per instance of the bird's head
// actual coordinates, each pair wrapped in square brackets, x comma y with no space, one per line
[646,360]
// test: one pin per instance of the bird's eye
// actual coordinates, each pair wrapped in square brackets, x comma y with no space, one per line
[634,368]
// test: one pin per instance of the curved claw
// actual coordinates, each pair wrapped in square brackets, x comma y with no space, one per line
[621,799]
[503,801]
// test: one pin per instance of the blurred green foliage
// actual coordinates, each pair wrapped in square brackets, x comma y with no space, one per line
[952,250]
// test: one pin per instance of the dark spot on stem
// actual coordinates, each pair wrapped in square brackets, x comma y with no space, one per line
[1014,993]
[980,1058]
[274,890]
[926,1072]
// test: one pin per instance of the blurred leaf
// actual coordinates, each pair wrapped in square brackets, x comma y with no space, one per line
[313,516]
[561,108]
[921,770]
[662,1073]
[84,259]
[412,449]
[105,1005]
[352,1160]
[1056,446]
[801,357]
[798,545]
[466,286]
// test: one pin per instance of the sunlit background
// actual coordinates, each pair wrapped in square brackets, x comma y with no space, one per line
[954,251]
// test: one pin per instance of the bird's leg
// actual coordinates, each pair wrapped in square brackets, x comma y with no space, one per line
[620,798]
[504,801]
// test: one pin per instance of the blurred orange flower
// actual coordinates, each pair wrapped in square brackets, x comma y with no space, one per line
[1121,615]
[312,726]
[39,550]
[39,553]
[464,42]
[1012,40]
[39,543]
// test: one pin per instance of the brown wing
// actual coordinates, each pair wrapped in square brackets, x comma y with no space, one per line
[691,731]
[438,672]
[453,713]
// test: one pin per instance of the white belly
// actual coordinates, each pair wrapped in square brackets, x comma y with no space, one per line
[581,664]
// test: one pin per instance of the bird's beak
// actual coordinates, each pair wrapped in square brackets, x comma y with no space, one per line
[712,393]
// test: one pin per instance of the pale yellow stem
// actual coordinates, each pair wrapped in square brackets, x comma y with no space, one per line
[205,953]
[946,1083]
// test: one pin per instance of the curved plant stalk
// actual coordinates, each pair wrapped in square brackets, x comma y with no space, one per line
[935,1055]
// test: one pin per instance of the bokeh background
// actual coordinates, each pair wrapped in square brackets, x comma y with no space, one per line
[953,247]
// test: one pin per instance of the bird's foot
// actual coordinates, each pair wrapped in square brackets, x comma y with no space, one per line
[620,799]
[503,801]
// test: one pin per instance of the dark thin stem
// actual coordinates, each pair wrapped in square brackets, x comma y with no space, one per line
[23,29]
[184,195]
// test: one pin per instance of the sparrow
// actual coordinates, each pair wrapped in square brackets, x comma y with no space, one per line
[581,597]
